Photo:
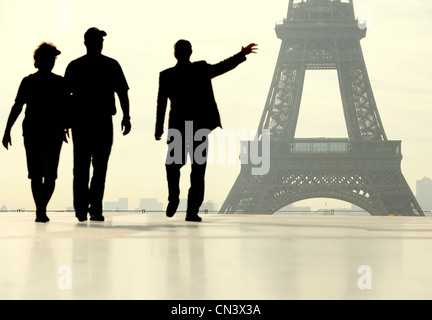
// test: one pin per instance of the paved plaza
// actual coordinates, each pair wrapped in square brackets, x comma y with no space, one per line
[229,257]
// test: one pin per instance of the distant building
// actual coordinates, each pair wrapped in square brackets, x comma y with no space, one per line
[424,193]
[210,206]
[121,205]
[150,204]
[3,209]
[110,205]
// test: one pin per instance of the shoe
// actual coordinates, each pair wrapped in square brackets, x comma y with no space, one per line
[193,218]
[172,208]
[81,217]
[42,217]
[97,217]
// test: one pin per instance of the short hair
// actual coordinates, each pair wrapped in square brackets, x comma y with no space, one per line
[44,52]
[182,49]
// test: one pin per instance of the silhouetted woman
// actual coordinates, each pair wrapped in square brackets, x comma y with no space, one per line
[43,127]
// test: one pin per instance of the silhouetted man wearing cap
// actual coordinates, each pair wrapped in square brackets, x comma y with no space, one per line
[193,115]
[93,81]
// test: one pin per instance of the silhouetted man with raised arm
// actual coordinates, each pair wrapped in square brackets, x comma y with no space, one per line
[92,81]
[193,115]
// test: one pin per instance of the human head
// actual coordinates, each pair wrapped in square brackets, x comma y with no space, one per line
[45,56]
[93,40]
[183,50]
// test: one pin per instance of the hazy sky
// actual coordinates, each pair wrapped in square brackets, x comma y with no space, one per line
[141,35]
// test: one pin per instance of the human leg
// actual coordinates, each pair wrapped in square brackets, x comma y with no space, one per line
[196,192]
[39,199]
[175,160]
[100,159]
[34,155]
[44,186]
[81,173]
[173,179]
[197,179]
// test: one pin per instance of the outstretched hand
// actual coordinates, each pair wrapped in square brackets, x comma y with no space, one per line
[252,48]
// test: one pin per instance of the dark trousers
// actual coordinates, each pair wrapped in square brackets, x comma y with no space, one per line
[197,177]
[92,148]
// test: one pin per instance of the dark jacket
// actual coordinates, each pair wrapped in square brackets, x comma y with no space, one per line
[188,86]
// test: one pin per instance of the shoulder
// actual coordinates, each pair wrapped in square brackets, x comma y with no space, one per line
[200,64]
[30,78]
[167,71]
[58,80]
[109,60]
[76,63]
[200,67]
[25,86]
[78,60]
[57,77]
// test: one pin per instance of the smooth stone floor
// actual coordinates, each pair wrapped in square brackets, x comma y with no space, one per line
[229,257]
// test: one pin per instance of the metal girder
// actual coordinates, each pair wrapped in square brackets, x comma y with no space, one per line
[365,174]
[345,55]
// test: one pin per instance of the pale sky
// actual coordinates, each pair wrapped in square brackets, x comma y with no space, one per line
[141,35]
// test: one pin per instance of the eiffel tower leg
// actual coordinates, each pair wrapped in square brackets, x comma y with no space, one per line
[281,112]
[360,109]
[240,193]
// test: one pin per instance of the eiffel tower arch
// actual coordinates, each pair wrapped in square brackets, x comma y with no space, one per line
[365,168]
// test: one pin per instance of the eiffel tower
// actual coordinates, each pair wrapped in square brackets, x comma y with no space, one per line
[365,169]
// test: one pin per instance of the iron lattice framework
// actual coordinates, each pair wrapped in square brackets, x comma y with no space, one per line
[364,169]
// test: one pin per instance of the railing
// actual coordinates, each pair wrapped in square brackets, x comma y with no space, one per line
[331,146]
[344,146]
[321,10]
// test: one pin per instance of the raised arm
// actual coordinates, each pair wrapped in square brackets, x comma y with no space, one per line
[233,62]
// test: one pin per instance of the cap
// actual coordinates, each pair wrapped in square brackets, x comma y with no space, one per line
[94,33]
[44,53]
[46,50]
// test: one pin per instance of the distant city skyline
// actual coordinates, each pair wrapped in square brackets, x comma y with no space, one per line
[423,195]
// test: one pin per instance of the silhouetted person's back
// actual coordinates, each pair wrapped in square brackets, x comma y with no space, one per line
[93,80]
[189,88]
